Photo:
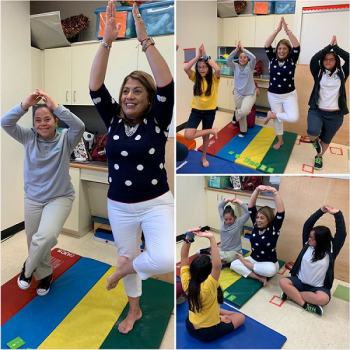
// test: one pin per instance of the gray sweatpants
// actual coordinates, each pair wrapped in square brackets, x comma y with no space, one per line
[43,224]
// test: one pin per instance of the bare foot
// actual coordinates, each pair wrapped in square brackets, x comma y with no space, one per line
[215,131]
[114,278]
[263,280]
[277,145]
[205,163]
[239,257]
[127,324]
[270,115]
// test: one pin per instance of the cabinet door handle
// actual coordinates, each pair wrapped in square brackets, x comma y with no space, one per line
[74,95]
[67,96]
[217,197]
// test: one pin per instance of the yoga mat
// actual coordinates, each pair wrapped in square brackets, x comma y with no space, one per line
[233,168]
[278,159]
[342,292]
[94,316]
[14,299]
[157,304]
[227,277]
[238,144]
[242,290]
[252,156]
[34,322]
[194,164]
[251,335]
[224,136]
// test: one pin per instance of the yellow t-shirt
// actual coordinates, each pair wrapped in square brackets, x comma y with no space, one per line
[205,102]
[210,312]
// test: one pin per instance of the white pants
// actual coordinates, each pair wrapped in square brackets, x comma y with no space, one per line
[43,224]
[244,104]
[155,218]
[286,108]
[264,268]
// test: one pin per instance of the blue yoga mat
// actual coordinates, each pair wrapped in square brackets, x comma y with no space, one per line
[251,335]
[217,166]
[42,315]
[238,144]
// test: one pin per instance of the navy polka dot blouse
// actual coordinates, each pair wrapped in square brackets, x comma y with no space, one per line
[136,163]
[282,77]
[263,242]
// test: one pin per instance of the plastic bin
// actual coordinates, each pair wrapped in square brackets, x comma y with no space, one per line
[158,17]
[263,7]
[284,7]
[224,68]
[124,17]
[219,181]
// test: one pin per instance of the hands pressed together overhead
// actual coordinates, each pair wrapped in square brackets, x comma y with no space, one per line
[35,97]
[329,209]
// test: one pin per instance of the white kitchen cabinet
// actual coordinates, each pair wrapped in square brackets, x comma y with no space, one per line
[79,220]
[58,74]
[225,96]
[38,80]
[212,214]
[230,32]
[264,27]
[220,31]
[246,30]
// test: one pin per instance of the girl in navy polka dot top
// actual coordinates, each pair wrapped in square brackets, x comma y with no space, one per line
[262,262]
[139,199]
[282,96]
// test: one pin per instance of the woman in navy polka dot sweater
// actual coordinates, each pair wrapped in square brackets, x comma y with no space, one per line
[139,198]
[262,262]
[282,96]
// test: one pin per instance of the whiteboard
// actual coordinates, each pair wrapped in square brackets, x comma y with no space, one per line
[317,29]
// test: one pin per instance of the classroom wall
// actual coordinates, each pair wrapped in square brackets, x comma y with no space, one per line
[15,87]
[190,203]
[196,23]
[302,196]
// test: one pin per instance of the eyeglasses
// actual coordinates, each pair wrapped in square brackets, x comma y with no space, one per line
[328,59]
[311,238]
[202,67]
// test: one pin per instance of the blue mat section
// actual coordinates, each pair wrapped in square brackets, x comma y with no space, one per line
[194,164]
[238,144]
[41,316]
[251,335]
[233,168]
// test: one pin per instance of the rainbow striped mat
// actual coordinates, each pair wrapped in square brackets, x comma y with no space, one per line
[254,150]
[79,313]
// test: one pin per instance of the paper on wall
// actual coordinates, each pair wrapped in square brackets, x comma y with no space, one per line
[46,31]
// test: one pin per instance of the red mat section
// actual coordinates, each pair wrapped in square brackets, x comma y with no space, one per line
[224,136]
[14,299]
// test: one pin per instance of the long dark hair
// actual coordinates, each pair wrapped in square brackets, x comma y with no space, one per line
[337,62]
[200,269]
[197,88]
[229,210]
[323,237]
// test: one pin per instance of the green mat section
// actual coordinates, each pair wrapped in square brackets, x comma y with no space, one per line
[277,159]
[157,304]
[342,292]
[242,290]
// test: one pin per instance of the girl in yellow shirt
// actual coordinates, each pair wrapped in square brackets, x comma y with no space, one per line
[200,281]
[206,78]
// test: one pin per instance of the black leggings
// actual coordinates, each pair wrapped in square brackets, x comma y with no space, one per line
[209,334]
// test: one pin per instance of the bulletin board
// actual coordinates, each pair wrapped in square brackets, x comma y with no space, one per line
[318,25]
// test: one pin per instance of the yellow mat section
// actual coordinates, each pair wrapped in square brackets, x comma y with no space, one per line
[228,277]
[257,148]
[94,316]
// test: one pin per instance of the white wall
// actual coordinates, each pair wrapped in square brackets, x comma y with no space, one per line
[190,203]
[15,87]
[196,23]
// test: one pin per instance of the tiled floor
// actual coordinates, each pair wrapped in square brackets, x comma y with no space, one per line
[302,329]
[14,253]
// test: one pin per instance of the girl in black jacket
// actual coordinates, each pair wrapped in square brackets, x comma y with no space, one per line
[313,271]
[328,98]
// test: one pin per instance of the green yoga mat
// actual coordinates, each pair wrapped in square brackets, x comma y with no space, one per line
[242,290]
[342,292]
[277,159]
[157,304]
